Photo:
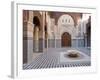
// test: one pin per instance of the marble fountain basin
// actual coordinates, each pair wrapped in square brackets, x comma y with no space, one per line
[74,56]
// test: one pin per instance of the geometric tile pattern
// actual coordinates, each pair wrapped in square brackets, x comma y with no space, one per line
[50,59]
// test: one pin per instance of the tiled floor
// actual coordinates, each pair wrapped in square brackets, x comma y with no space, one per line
[50,59]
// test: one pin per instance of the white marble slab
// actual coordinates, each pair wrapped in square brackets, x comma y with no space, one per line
[84,59]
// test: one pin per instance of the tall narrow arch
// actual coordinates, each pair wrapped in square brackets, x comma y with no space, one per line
[66,39]
[36,29]
[89,36]
[36,21]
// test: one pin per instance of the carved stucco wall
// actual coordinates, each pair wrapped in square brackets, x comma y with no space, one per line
[66,24]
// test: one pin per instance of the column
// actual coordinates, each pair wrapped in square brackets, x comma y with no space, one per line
[43,25]
[30,37]
[36,39]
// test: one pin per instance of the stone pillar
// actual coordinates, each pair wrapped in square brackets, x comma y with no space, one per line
[48,22]
[36,39]
[25,37]
[30,37]
[43,25]
[55,33]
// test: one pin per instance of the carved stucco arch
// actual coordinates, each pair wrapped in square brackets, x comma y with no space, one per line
[39,16]
[66,26]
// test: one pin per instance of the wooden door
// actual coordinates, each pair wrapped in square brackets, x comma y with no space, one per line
[66,40]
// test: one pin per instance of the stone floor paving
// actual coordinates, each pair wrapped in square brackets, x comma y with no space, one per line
[50,59]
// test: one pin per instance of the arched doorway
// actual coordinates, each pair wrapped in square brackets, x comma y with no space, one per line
[88,36]
[66,40]
[36,23]
[45,30]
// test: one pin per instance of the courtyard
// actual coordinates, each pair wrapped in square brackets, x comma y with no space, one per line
[56,39]
[51,58]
